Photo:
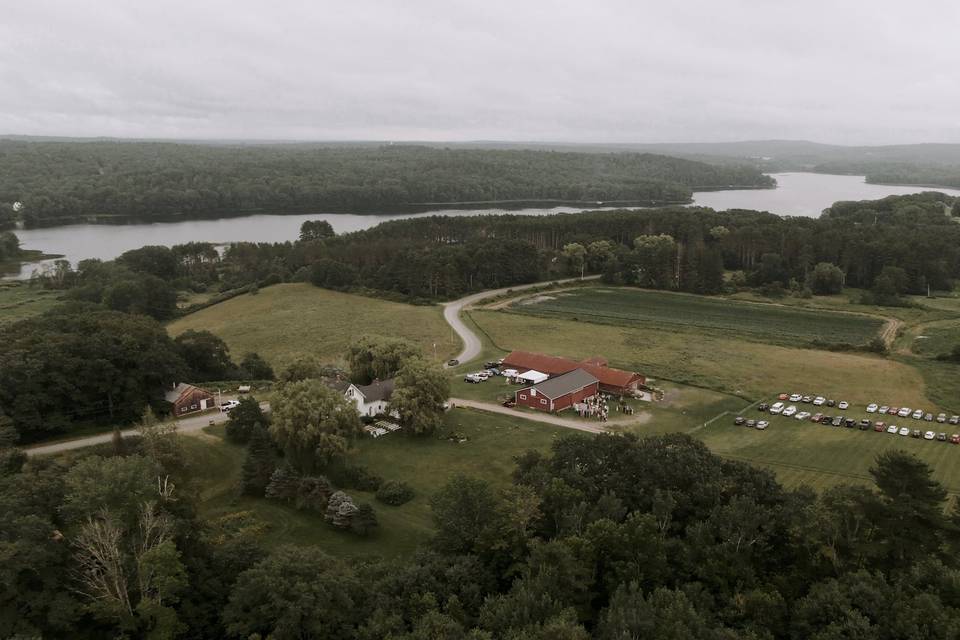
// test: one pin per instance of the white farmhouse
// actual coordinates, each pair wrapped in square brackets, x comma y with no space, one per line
[371,399]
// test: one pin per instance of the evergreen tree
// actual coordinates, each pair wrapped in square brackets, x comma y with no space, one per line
[340,510]
[364,520]
[283,485]
[258,467]
[313,493]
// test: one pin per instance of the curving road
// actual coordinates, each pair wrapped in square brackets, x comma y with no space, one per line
[471,341]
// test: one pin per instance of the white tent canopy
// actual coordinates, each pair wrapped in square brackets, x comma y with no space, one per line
[533,377]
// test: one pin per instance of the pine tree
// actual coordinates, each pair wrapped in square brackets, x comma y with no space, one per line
[119,447]
[313,493]
[364,520]
[284,483]
[258,467]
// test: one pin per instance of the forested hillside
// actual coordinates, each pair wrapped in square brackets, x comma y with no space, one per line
[58,182]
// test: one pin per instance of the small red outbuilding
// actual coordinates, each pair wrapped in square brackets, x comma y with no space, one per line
[562,392]
[187,398]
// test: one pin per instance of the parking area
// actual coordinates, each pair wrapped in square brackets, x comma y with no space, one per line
[837,413]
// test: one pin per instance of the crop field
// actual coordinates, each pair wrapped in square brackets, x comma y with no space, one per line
[636,308]
[425,464]
[725,363]
[18,301]
[801,452]
[286,320]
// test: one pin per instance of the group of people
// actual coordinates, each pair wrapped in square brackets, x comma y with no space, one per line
[593,407]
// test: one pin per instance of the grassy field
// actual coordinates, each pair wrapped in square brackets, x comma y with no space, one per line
[777,324]
[725,363]
[936,338]
[426,464]
[18,300]
[286,320]
[801,452]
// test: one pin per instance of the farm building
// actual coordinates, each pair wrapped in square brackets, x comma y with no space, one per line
[559,393]
[616,381]
[187,398]
[371,399]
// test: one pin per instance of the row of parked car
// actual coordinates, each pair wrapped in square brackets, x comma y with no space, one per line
[817,401]
[490,369]
[916,414]
[841,421]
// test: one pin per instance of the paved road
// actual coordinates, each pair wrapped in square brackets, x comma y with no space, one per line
[471,341]
[186,425]
[523,415]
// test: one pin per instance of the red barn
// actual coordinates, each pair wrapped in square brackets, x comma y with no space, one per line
[557,394]
[187,398]
[616,381]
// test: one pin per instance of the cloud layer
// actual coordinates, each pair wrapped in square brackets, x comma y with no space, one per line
[610,71]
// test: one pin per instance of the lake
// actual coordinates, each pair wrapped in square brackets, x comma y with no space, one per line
[797,194]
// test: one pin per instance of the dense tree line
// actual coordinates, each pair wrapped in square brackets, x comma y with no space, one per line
[9,246]
[607,537]
[62,181]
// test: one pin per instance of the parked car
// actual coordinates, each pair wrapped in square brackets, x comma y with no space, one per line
[928,417]
[955,438]
[739,420]
[493,364]
[819,401]
[916,433]
[954,420]
[904,431]
[807,399]
[751,423]
[826,420]
[831,403]
[849,423]
[473,378]
[837,421]
[929,435]
[453,362]
[872,408]
[789,411]
[803,415]
[879,427]
[783,396]
[918,414]
[892,429]
[763,406]
[904,412]
[795,397]
[843,404]
[762,424]
[941,418]
[229,404]
[941,437]
[865,424]
[776,408]
[816,417]
[883,409]
[892,411]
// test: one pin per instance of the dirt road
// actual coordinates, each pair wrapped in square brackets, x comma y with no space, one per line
[490,407]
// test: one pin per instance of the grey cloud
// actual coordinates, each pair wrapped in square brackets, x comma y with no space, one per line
[854,72]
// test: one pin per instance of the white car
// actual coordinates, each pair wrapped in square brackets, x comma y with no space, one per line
[789,411]
[819,400]
[903,413]
[929,435]
[892,429]
[229,404]
[843,405]
[776,408]
[918,414]
[884,409]
[904,431]
[803,415]
[762,424]
[796,397]
[872,408]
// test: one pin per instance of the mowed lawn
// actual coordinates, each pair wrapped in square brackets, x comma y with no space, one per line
[801,452]
[426,464]
[722,362]
[773,323]
[284,321]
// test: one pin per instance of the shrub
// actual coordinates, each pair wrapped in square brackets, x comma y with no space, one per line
[353,477]
[313,494]
[394,493]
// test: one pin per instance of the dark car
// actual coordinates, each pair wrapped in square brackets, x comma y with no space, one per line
[452,363]
[942,437]
[751,423]
[763,406]
[831,403]
[865,424]
[837,421]
[849,423]
[826,420]
[739,420]
[916,434]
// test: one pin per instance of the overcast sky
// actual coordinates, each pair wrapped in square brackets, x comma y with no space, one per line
[852,72]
